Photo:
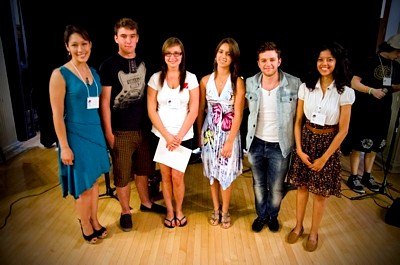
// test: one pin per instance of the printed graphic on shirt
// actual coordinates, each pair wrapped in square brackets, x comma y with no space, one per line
[133,85]
[381,71]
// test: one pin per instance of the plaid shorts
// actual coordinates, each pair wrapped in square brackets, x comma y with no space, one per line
[131,156]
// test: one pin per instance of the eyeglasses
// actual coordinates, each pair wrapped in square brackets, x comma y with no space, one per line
[175,54]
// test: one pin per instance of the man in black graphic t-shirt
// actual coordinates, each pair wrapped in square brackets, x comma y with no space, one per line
[125,120]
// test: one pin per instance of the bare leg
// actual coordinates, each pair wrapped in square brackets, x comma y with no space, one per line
[301,203]
[124,195]
[318,211]
[142,185]
[94,206]
[215,194]
[83,209]
[354,162]
[226,198]
[178,184]
[369,159]
[167,189]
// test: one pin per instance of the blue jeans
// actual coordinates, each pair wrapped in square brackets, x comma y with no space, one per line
[269,169]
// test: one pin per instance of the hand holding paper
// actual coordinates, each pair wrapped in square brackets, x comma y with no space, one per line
[177,159]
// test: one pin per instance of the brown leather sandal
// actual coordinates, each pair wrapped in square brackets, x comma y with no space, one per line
[215,218]
[225,220]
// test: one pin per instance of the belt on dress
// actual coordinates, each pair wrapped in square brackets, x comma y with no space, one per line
[320,131]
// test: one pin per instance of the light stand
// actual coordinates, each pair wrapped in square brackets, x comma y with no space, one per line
[109,191]
[385,165]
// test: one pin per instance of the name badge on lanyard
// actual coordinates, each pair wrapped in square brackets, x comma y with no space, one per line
[92,102]
[387,81]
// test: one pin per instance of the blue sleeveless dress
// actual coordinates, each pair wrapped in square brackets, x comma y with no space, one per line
[215,130]
[85,136]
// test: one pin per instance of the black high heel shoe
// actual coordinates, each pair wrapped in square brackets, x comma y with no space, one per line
[101,233]
[91,239]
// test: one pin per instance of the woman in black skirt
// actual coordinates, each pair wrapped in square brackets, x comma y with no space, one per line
[325,103]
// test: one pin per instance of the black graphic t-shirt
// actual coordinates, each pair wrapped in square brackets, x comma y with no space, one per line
[127,77]
[370,117]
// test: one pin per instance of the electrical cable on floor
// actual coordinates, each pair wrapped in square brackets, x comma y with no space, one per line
[14,202]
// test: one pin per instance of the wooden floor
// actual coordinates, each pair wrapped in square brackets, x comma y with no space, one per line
[43,227]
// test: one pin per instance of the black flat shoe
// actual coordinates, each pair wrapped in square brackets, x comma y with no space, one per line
[91,239]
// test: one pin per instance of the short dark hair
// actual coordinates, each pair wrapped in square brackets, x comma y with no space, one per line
[125,22]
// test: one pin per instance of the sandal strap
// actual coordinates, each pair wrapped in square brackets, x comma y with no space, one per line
[215,217]
[101,233]
[226,220]
[225,215]
[215,214]
[169,221]
[180,221]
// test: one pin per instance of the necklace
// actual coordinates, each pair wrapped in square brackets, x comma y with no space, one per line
[221,81]
[87,80]
[269,88]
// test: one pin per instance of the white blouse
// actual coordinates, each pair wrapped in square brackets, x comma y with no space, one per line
[329,105]
[173,104]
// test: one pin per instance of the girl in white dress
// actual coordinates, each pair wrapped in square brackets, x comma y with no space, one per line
[220,115]
[173,103]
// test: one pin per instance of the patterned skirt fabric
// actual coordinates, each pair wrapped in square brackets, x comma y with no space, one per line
[327,181]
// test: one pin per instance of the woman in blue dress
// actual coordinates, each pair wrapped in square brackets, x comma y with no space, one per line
[222,102]
[83,156]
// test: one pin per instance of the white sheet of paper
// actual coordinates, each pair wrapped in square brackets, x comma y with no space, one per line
[177,159]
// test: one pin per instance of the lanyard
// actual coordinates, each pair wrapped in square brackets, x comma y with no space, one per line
[86,85]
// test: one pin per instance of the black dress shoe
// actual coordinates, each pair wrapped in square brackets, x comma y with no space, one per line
[258,224]
[273,224]
[155,208]
[126,222]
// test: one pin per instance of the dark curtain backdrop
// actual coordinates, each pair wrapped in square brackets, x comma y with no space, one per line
[296,27]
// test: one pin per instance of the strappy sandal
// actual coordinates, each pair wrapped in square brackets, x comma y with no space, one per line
[225,220]
[215,218]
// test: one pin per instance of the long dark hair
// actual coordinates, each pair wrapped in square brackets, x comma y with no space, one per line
[171,42]
[71,29]
[341,73]
[235,56]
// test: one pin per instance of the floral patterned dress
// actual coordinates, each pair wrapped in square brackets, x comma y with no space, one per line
[215,130]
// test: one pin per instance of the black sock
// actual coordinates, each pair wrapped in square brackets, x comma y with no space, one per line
[366,175]
[353,176]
